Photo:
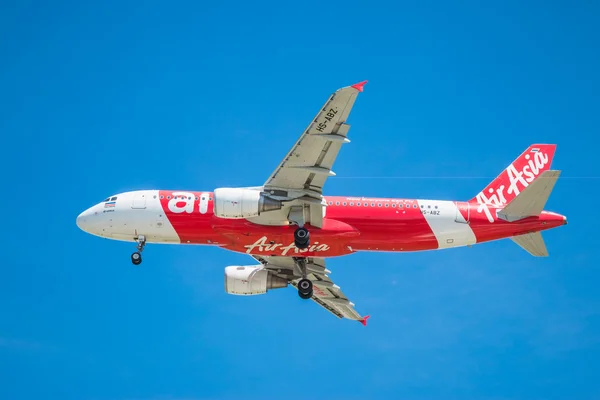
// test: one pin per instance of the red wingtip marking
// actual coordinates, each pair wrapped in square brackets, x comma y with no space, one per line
[364,320]
[359,86]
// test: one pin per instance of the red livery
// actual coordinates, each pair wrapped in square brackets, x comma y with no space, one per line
[289,226]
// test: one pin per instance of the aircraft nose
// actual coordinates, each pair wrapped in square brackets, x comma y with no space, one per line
[83,219]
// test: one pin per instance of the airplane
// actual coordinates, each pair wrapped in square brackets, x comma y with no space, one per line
[290,227]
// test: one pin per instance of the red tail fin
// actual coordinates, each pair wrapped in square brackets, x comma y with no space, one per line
[517,176]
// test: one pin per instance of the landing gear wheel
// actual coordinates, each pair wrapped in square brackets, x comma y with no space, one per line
[136,258]
[304,296]
[305,288]
[302,238]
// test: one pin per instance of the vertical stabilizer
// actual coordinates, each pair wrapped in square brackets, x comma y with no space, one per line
[515,178]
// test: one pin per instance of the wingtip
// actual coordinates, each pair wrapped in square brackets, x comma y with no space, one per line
[359,86]
[364,320]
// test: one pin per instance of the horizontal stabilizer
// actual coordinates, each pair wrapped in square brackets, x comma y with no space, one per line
[533,243]
[531,201]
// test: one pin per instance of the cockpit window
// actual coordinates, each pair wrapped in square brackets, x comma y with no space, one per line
[113,198]
[107,199]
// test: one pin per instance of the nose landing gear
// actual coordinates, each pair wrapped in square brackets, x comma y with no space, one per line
[136,257]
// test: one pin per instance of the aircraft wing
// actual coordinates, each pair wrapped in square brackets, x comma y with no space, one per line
[309,162]
[325,293]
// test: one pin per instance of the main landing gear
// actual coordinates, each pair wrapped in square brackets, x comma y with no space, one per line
[136,258]
[296,216]
[301,238]
[305,286]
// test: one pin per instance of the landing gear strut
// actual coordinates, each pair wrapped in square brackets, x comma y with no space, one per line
[136,257]
[301,238]
[305,286]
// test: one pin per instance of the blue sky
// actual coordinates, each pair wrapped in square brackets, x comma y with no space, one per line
[98,99]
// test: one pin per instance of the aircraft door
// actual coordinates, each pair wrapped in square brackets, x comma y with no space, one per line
[462,212]
[139,200]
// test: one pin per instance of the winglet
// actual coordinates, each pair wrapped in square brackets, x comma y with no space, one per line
[359,86]
[364,320]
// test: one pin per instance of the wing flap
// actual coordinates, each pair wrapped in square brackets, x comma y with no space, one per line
[306,167]
[325,292]
[317,147]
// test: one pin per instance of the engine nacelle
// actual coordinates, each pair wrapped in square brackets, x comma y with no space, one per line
[251,279]
[236,203]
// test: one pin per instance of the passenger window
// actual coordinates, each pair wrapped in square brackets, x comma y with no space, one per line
[387,205]
[394,205]
[168,197]
[351,204]
[378,204]
[344,204]
[414,206]
[162,197]
[337,203]
[358,204]
[331,203]
[372,204]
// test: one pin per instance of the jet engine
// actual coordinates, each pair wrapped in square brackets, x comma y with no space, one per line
[236,203]
[251,279]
